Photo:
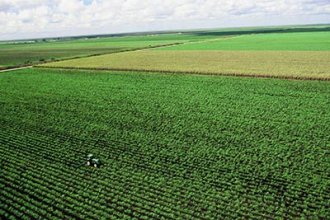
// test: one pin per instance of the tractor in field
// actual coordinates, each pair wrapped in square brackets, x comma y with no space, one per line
[92,161]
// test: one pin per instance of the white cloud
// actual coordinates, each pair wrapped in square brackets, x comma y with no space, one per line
[42,18]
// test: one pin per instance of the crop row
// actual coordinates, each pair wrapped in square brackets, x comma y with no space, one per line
[34,150]
[126,152]
[178,166]
[66,181]
[113,180]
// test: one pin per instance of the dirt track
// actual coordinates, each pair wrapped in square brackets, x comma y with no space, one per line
[13,69]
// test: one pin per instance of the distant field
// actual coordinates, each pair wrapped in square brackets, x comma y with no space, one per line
[16,54]
[173,146]
[286,64]
[20,56]
[316,37]
[306,41]
[289,55]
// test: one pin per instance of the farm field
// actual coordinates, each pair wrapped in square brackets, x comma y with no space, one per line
[303,41]
[23,53]
[20,53]
[294,55]
[283,64]
[173,146]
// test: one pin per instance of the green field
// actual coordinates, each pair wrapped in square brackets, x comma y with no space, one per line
[173,146]
[179,134]
[283,64]
[298,55]
[31,52]
[21,53]
[305,41]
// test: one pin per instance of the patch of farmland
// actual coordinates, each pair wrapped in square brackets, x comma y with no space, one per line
[21,57]
[18,54]
[172,146]
[305,41]
[284,64]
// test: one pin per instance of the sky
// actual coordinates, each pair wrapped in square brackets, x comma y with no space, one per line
[24,19]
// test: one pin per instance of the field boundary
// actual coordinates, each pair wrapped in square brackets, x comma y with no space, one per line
[248,75]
